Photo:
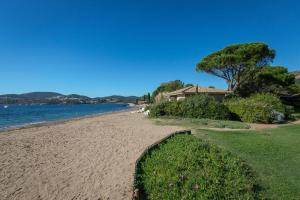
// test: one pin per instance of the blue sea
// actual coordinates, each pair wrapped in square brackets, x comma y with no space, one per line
[21,115]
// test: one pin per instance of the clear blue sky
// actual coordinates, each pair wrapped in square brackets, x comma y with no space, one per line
[99,48]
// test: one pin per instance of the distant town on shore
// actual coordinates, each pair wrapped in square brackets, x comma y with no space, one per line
[57,98]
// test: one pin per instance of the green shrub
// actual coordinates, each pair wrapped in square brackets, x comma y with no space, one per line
[198,106]
[158,109]
[203,106]
[147,107]
[185,167]
[174,108]
[258,108]
[231,96]
[269,99]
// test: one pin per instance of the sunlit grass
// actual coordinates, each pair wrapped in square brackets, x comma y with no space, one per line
[186,167]
[203,123]
[274,154]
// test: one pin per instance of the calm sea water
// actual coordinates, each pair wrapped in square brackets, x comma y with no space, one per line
[20,115]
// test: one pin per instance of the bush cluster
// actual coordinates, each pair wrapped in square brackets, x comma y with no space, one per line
[198,106]
[259,108]
[185,167]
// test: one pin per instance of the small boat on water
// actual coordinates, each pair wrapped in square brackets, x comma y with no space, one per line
[5,106]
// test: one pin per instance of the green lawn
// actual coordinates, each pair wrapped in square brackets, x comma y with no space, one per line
[185,167]
[204,123]
[274,155]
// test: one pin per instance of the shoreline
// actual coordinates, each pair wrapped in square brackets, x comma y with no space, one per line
[88,158]
[63,121]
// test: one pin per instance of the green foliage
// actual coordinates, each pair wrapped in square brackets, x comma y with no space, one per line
[203,106]
[168,87]
[270,79]
[232,61]
[269,99]
[148,98]
[188,85]
[158,109]
[147,107]
[258,108]
[277,74]
[296,113]
[198,106]
[201,123]
[231,96]
[293,88]
[185,167]
[166,108]
[272,153]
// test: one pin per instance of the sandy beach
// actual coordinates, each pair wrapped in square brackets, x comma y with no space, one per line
[91,158]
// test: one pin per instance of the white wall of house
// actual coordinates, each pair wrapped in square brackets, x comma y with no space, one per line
[180,98]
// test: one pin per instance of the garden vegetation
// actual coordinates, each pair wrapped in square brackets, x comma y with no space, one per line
[185,167]
[272,153]
[198,106]
[259,108]
[204,123]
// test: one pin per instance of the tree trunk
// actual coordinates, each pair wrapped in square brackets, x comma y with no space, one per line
[230,85]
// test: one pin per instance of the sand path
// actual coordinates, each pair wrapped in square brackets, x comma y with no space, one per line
[91,158]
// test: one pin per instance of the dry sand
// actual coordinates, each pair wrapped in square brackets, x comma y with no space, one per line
[90,158]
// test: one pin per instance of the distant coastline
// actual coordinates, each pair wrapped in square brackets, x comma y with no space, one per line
[38,98]
[52,121]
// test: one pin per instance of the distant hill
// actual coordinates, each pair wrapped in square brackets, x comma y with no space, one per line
[78,96]
[117,98]
[39,95]
[57,98]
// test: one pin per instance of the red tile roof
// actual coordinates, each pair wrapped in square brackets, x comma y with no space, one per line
[193,89]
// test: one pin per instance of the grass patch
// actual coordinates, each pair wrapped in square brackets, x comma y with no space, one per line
[274,154]
[204,123]
[186,167]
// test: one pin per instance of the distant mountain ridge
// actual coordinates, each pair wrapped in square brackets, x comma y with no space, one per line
[57,98]
[32,95]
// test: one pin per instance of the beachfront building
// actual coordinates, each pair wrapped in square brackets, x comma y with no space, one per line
[192,90]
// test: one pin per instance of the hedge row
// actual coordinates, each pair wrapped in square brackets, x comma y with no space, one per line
[260,108]
[198,106]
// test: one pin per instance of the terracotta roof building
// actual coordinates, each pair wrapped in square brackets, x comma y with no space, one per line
[192,90]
